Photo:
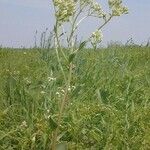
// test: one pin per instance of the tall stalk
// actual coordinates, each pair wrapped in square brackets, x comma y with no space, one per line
[74,12]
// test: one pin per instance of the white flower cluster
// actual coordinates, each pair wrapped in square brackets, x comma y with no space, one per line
[51,79]
[85,2]
[96,36]
[61,91]
[24,124]
[65,9]
[97,10]
[117,8]
[47,114]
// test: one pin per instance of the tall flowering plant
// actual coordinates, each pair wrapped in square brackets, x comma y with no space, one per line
[73,13]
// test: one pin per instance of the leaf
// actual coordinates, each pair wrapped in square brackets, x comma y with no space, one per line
[99,95]
[53,125]
[104,95]
[55,29]
[71,57]
[61,135]
[95,135]
[82,45]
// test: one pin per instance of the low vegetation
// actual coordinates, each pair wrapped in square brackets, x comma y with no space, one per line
[108,106]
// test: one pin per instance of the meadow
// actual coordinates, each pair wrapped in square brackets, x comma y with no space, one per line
[108,106]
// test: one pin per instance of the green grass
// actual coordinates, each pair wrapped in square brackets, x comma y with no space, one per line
[108,109]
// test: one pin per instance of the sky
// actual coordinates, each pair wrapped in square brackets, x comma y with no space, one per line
[19,20]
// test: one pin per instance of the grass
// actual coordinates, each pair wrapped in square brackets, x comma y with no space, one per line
[107,109]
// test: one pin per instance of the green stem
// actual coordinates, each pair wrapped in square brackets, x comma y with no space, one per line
[74,27]
[62,108]
[57,47]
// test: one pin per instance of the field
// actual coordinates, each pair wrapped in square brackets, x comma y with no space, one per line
[108,106]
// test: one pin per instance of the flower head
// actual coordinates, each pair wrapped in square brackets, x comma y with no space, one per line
[64,10]
[117,8]
[97,36]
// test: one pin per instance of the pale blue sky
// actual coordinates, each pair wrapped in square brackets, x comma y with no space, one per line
[19,19]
